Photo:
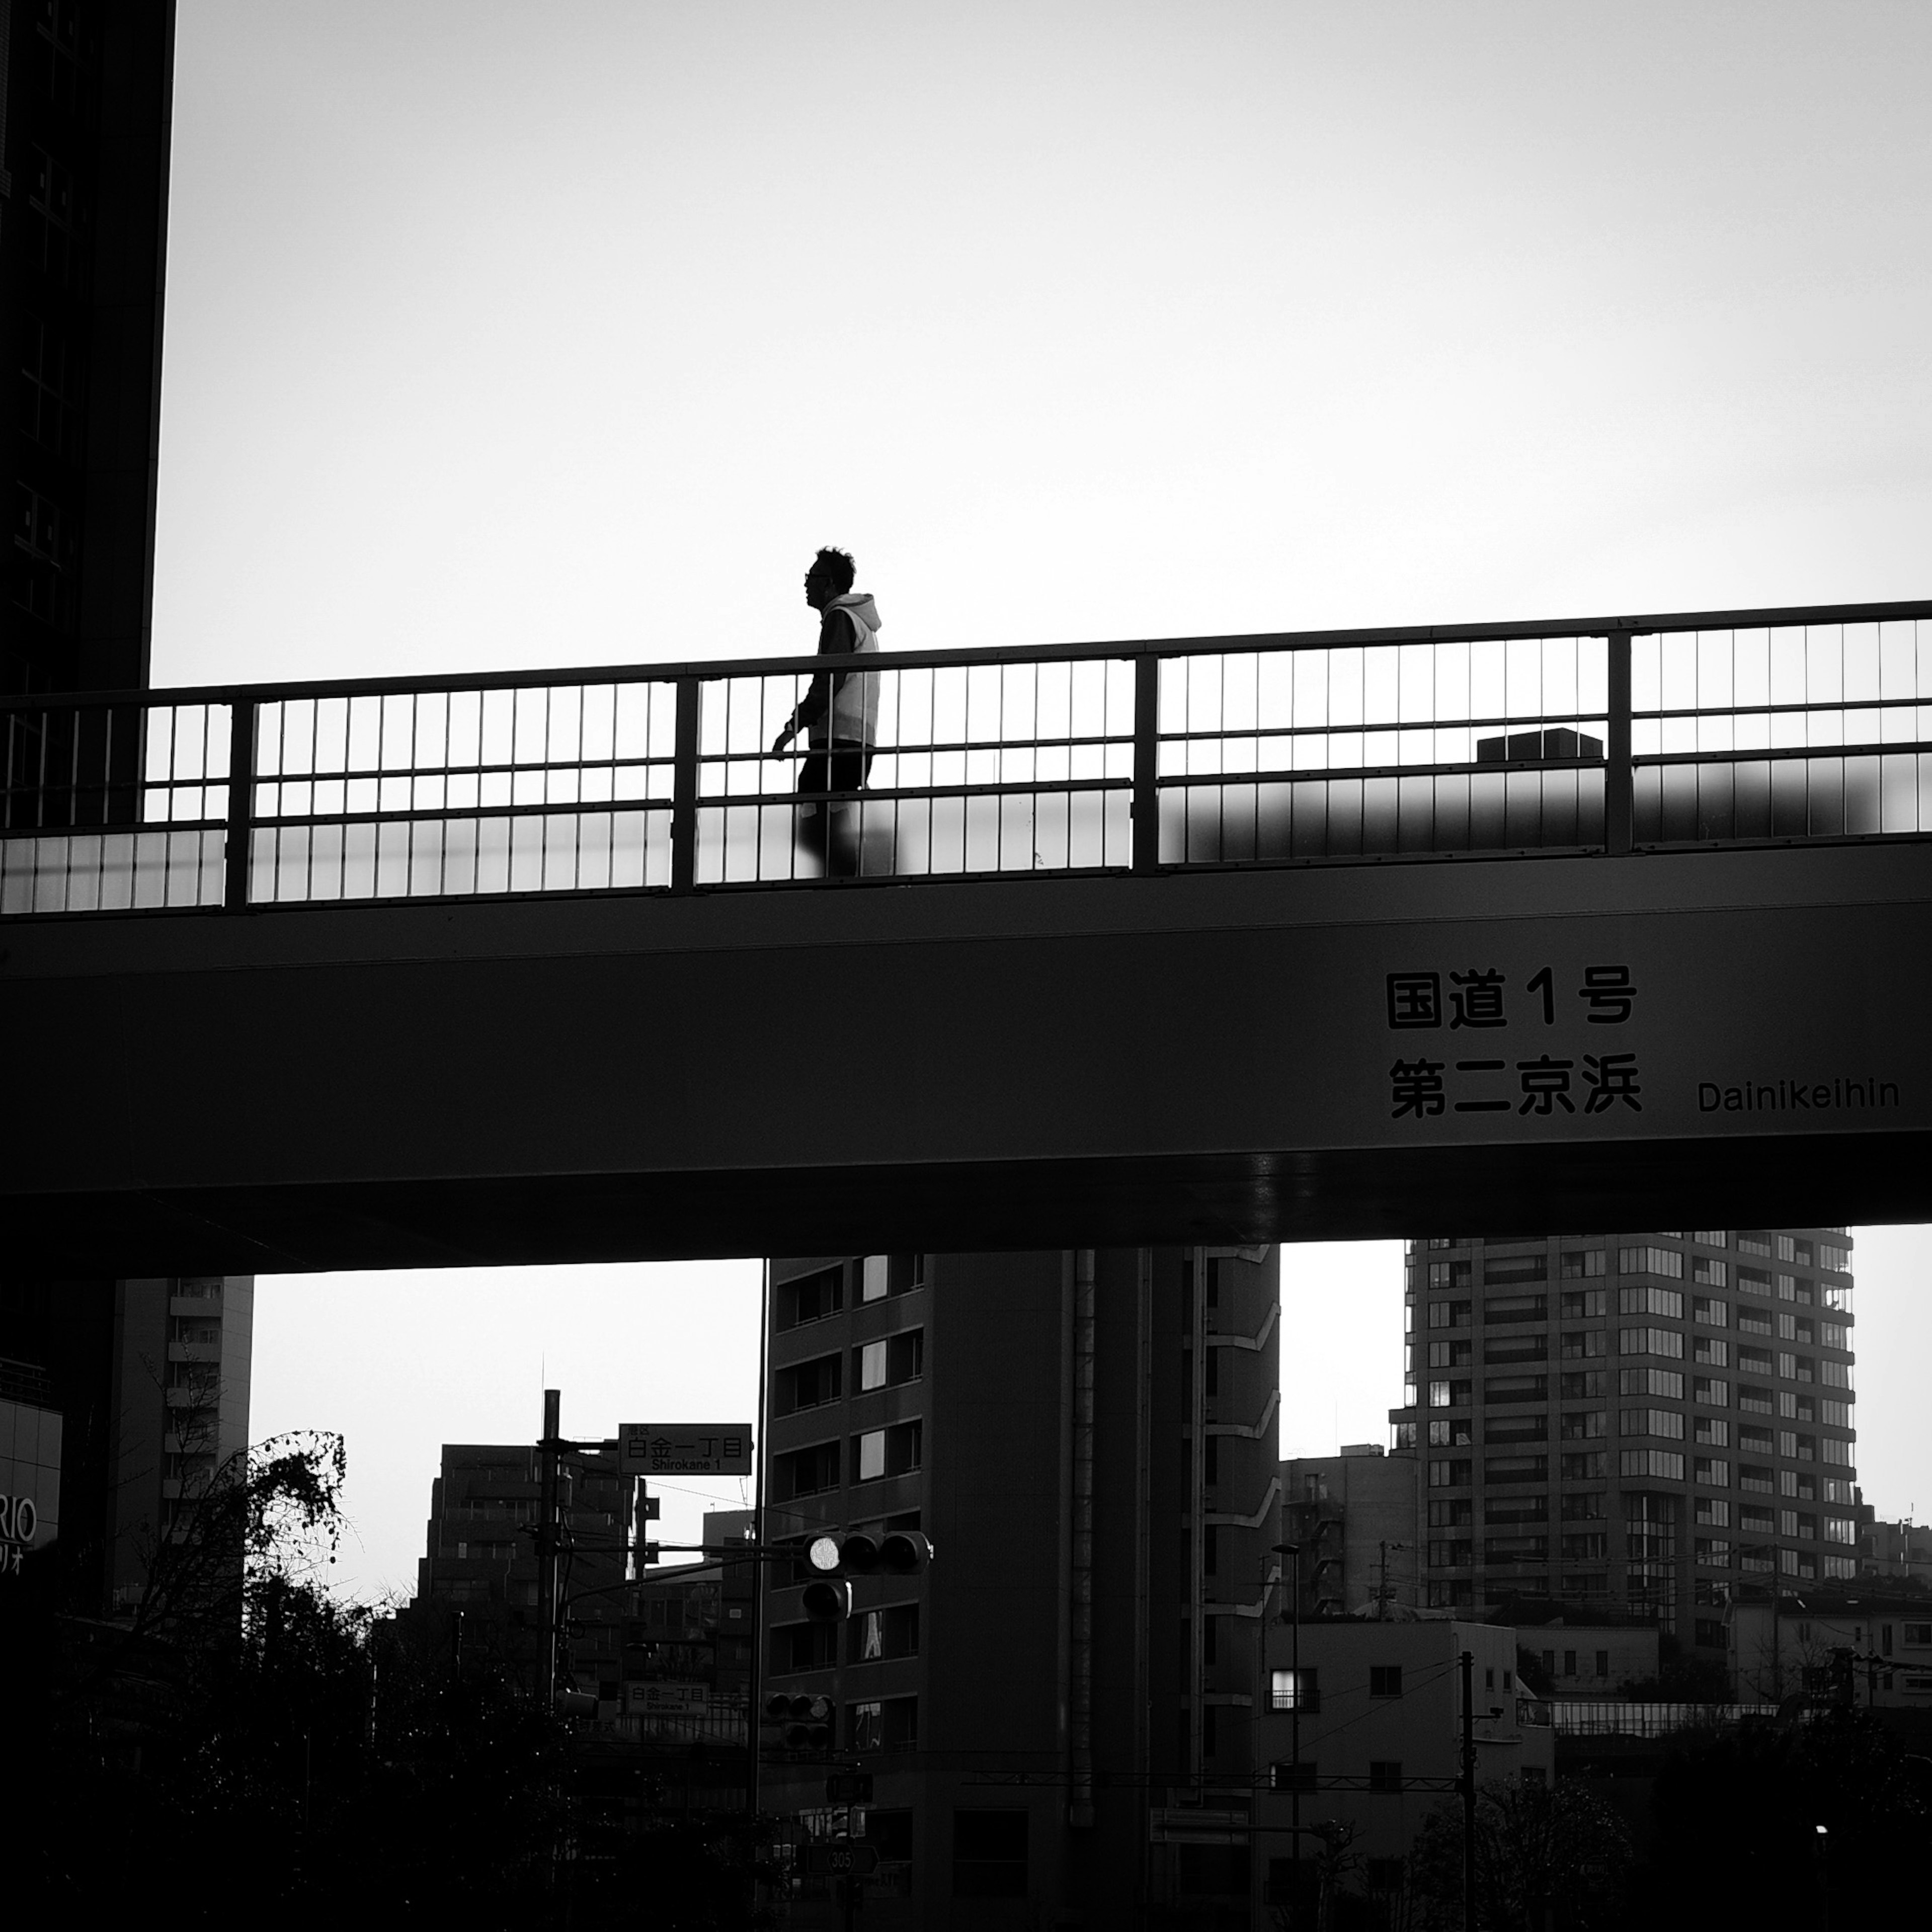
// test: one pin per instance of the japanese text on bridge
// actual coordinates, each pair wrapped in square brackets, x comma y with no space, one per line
[1491,1080]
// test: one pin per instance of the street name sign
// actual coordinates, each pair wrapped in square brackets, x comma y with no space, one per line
[684,1449]
[666,1700]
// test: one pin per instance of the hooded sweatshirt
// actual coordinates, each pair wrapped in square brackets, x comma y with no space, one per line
[851,623]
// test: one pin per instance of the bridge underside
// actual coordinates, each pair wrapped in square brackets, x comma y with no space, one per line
[1230,1057]
[1822,1180]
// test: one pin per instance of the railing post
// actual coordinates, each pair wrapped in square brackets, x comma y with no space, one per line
[684,789]
[238,848]
[1147,762]
[1617,774]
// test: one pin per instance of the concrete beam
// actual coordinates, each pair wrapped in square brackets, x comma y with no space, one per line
[1097,1061]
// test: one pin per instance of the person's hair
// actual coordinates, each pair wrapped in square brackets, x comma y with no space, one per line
[839,566]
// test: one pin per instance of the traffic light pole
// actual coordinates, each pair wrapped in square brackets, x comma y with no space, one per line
[1466,1663]
[548,1451]
[752,1703]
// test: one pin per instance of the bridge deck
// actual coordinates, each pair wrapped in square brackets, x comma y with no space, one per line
[462,972]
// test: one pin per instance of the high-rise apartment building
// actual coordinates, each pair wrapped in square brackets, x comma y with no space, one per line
[86,92]
[182,1370]
[86,95]
[1061,1709]
[140,1390]
[1647,1422]
[480,1558]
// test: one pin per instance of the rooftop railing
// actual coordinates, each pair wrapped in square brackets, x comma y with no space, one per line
[1604,735]
[1605,1718]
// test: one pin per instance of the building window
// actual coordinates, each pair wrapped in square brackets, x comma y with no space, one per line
[893,1451]
[989,1855]
[1286,1775]
[1384,1680]
[807,1472]
[891,1361]
[1385,1773]
[1648,1300]
[1665,1424]
[889,1632]
[1668,1383]
[1581,1264]
[812,1646]
[1665,1342]
[809,1385]
[1665,1261]
[1288,1692]
[1507,1271]
[812,1299]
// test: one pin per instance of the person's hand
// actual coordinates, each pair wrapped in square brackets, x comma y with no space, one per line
[783,739]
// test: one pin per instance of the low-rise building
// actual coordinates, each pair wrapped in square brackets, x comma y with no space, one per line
[1355,1516]
[1898,1550]
[1375,1744]
[1583,1654]
[1858,1647]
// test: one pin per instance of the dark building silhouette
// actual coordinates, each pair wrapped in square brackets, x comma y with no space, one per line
[480,1557]
[94,1370]
[1059,1713]
[86,101]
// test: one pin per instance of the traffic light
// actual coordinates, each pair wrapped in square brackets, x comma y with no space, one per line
[826,1601]
[900,1552]
[803,1723]
[831,1560]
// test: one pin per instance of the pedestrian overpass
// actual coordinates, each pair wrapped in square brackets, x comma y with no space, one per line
[1566,926]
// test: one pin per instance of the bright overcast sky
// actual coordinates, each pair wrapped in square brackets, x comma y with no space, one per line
[507,335]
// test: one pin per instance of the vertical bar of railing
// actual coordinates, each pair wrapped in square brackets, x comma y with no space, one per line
[1146,809]
[684,789]
[236,850]
[1617,773]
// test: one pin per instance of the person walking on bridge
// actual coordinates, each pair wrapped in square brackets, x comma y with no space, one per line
[839,716]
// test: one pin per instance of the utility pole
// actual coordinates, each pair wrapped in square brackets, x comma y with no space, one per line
[758,1540]
[1382,1592]
[1466,1662]
[1292,1551]
[547,1450]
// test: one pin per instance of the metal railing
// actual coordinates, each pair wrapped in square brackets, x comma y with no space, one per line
[1598,735]
[1585,1718]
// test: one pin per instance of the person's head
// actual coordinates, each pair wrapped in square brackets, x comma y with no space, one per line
[830,576]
